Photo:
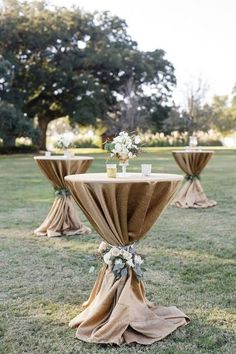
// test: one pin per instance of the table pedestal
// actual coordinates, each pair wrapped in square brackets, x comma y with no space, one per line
[62,219]
[122,210]
[192,196]
[117,311]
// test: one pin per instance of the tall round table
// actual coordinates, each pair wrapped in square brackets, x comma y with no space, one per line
[63,217]
[192,194]
[122,210]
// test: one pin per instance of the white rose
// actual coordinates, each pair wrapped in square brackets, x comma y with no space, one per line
[130,262]
[130,155]
[106,258]
[138,259]
[116,139]
[117,147]
[126,255]
[102,247]
[124,134]
[128,141]
[137,140]
[115,252]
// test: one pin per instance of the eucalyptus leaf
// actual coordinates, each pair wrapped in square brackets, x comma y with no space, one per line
[124,272]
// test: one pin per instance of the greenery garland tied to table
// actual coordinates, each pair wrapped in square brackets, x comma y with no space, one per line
[192,177]
[61,192]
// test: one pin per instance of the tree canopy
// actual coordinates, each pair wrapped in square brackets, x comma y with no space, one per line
[59,62]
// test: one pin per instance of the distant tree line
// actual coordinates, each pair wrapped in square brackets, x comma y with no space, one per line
[197,115]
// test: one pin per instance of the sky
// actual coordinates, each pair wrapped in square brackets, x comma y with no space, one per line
[198,36]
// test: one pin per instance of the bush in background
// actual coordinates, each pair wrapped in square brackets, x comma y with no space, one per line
[175,138]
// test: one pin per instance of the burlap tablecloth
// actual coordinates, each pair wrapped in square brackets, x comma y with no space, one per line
[122,210]
[192,195]
[63,217]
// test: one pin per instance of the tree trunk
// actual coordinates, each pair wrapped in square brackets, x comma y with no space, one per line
[9,141]
[43,124]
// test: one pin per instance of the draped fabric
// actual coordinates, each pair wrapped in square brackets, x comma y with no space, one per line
[192,194]
[122,211]
[63,217]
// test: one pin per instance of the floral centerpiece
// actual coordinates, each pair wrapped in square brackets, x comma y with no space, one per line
[124,147]
[120,259]
[64,141]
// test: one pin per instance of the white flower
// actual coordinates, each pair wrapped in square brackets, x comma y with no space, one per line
[137,139]
[128,142]
[65,140]
[118,147]
[102,247]
[117,139]
[91,269]
[115,252]
[130,155]
[124,134]
[130,262]
[118,261]
[126,254]
[106,258]
[138,259]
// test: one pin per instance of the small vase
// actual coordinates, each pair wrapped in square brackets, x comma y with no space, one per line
[123,162]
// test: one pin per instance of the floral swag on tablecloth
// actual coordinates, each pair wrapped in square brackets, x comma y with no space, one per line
[120,259]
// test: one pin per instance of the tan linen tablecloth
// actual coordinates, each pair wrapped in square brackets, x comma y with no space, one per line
[192,194]
[63,218]
[122,210]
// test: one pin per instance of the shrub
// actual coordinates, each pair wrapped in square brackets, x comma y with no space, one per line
[150,139]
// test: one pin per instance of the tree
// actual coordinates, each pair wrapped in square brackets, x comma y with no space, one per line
[176,121]
[224,113]
[13,124]
[196,111]
[76,64]
[65,62]
[142,99]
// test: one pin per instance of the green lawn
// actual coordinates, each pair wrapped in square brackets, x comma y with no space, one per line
[189,260]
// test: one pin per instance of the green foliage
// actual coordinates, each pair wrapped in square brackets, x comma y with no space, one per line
[13,124]
[64,62]
[143,96]
[85,143]
[224,113]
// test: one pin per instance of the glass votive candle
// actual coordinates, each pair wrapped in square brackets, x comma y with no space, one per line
[47,153]
[193,141]
[111,170]
[146,169]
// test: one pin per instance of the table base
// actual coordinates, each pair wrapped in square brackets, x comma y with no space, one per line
[117,312]
[192,196]
[62,220]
